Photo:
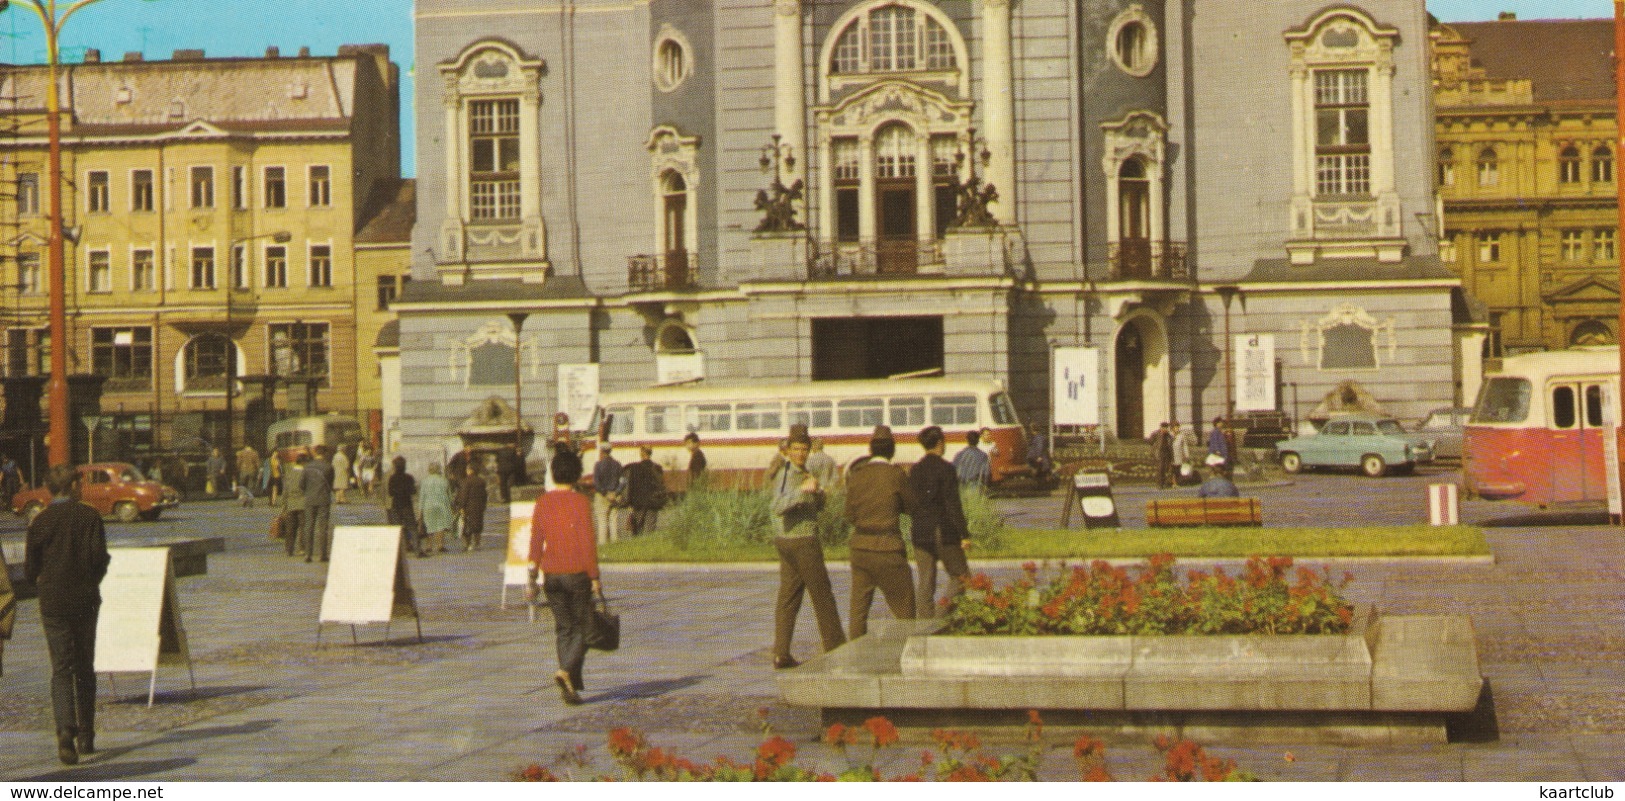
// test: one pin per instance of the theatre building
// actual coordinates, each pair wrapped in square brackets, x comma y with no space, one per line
[744,191]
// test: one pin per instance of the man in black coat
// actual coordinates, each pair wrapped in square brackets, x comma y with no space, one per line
[939,528]
[317,527]
[645,491]
[66,559]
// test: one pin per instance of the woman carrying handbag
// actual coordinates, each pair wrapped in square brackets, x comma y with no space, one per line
[564,548]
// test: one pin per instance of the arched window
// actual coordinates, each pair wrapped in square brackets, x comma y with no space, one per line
[1568,165]
[1489,167]
[1591,332]
[1602,165]
[205,361]
[1447,167]
[893,38]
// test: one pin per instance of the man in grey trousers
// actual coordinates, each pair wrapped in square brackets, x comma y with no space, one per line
[317,525]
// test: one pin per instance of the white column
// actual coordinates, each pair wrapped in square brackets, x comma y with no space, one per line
[998,106]
[789,99]
[924,198]
[455,184]
[1303,112]
[866,191]
[826,190]
[1381,100]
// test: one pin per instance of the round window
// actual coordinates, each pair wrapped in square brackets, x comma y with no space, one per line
[1133,42]
[671,62]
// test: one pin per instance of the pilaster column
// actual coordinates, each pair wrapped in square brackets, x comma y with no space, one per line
[789,72]
[998,106]
[866,191]
[826,191]
[924,198]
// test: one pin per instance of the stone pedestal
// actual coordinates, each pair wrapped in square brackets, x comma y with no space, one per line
[973,252]
[780,256]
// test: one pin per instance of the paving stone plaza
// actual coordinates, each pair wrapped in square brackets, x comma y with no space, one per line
[475,701]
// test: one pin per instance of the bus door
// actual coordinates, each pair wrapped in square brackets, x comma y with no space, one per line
[1593,469]
[1567,452]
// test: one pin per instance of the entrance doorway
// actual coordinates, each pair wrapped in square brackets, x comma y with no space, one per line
[875,347]
[898,240]
[1142,378]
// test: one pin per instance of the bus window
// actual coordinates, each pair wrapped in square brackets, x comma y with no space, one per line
[661,419]
[953,410]
[759,416]
[1003,413]
[1594,406]
[711,417]
[860,413]
[1563,407]
[906,412]
[1504,400]
[620,421]
[814,415]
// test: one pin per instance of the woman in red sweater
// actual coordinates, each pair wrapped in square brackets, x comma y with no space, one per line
[565,550]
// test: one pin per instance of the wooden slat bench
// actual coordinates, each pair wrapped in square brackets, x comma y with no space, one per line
[1204,512]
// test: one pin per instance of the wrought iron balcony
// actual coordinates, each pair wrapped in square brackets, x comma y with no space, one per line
[673,271]
[836,261]
[1145,260]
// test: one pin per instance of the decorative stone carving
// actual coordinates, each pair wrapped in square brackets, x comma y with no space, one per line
[1312,334]
[494,332]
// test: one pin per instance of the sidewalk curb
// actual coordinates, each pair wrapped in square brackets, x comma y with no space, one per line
[835,565]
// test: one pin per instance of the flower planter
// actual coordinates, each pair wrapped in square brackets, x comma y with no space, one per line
[1394,679]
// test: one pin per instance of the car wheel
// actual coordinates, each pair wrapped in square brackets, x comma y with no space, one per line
[1373,465]
[32,510]
[1291,463]
[126,511]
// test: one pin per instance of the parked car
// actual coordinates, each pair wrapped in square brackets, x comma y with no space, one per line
[1372,443]
[111,488]
[1445,429]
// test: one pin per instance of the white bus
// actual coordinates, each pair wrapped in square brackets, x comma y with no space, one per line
[740,427]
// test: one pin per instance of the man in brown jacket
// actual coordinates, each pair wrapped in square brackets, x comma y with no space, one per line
[877,493]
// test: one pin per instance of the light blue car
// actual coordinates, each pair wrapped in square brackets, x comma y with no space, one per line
[1372,443]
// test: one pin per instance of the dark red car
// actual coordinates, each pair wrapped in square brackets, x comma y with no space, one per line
[111,488]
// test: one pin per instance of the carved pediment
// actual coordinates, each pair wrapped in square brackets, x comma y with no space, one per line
[922,108]
[1586,290]
[492,66]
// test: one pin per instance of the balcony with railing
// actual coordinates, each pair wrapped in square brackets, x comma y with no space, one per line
[840,261]
[673,271]
[1145,260]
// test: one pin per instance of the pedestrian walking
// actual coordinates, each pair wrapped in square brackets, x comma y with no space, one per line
[798,497]
[971,464]
[1038,452]
[775,464]
[1162,451]
[565,549]
[1184,453]
[696,461]
[293,507]
[402,490]
[938,527]
[471,502]
[248,471]
[1218,445]
[877,493]
[645,491]
[366,469]
[66,560]
[341,474]
[216,467]
[606,496]
[436,509]
[317,527]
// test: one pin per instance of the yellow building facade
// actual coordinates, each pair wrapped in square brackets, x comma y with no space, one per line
[1527,172]
[212,208]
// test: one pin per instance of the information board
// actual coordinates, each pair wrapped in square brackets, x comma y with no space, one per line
[140,622]
[367,581]
[516,567]
[1255,372]
[1075,373]
[578,391]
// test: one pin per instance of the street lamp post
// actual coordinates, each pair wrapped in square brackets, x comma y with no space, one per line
[57,388]
[232,285]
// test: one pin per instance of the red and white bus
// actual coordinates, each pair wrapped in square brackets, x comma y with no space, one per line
[740,427]
[1536,434]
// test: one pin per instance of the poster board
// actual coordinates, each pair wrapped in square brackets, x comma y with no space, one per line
[1255,372]
[139,627]
[367,580]
[1075,375]
[578,391]
[516,565]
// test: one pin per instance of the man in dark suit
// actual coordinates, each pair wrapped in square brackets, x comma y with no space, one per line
[66,559]
[877,493]
[470,501]
[939,529]
[645,491]
[317,527]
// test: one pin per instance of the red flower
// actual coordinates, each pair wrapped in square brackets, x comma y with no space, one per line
[777,751]
[835,734]
[882,730]
[1087,746]
[537,773]
[625,742]
[1097,773]
[1036,722]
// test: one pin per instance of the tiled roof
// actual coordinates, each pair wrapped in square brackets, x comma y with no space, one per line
[1567,60]
[390,212]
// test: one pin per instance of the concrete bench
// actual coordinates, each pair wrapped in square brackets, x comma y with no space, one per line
[1161,512]
[190,555]
[1396,679]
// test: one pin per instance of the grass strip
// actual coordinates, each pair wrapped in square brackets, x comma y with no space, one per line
[1018,543]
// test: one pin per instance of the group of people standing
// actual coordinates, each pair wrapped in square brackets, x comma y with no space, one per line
[639,487]
[1174,448]
[429,511]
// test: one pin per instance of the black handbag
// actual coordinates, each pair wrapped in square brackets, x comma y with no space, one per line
[604,634]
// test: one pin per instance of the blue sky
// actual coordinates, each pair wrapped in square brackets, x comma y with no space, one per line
[243,28]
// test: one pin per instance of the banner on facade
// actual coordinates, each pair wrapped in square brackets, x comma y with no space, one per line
[578,392]
[1075,376]
[1255,372]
